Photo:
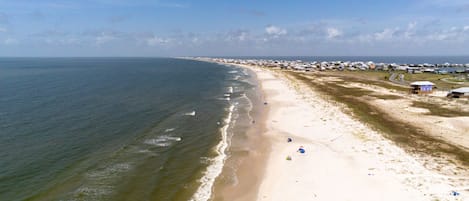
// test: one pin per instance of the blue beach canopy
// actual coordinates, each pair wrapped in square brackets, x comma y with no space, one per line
[301,150]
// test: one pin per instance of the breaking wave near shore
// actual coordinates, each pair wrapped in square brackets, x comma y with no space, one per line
[238,103]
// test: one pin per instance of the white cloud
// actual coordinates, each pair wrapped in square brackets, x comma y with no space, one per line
[410,29]
[451,34]
[386,34]
[275,31]
[409,35]
[104,38]
[271,38]
[363,38]
[10,41]
[333,33]
[411,25]
[236,36]
[439,36]
[62,41]
[242,36]
[410,32]
[155,40]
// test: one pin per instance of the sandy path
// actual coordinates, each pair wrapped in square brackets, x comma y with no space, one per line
[344,159]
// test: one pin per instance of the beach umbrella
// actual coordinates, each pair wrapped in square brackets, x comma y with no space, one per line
[301,150]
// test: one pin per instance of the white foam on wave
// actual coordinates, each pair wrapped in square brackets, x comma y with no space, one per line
[162,141]
[250,107]
[155,142]
[233,71]
[109,171]
[205,160]
[245,72]
[204,192]
[169,130]
[91,193]
[190,113]
[230,90]
[147,152]
[144,151]
[99,182]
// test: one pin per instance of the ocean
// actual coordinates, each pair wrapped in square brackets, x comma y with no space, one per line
[118,128]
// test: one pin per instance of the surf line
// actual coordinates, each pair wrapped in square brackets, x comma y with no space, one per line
[204,192]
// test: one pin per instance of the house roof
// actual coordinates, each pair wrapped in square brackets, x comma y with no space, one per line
[422,83]
[461,90]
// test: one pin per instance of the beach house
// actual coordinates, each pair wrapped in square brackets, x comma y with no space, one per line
[421,87]
[459,93]
[371,65]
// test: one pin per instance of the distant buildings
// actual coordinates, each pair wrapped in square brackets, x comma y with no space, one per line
[299,65]
[421,87]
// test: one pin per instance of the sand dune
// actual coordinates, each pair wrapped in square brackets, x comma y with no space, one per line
[344,159]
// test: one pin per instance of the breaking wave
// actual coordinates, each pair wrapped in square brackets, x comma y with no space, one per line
[204,192]
[163,141]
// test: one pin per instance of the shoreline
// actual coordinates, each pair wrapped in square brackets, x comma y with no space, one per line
[343,154]
[345,158]
[249,154]
[248,150]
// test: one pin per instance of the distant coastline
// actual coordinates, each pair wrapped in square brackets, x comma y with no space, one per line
[463,59]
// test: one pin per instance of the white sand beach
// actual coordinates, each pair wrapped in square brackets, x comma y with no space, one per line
[344,159]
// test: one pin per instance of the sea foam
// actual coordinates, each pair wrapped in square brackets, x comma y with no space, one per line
[204,192]
[190,113]
[169,130]
[163,141]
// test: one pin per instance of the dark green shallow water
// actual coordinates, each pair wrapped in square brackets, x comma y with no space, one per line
[108,128]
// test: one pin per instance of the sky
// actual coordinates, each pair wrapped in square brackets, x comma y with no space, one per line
[154,28]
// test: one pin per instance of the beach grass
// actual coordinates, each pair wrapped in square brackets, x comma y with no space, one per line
[386,97]
[441,81]
[370,74]
[404,134]
[438,110]
[369,77]
[438,79]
